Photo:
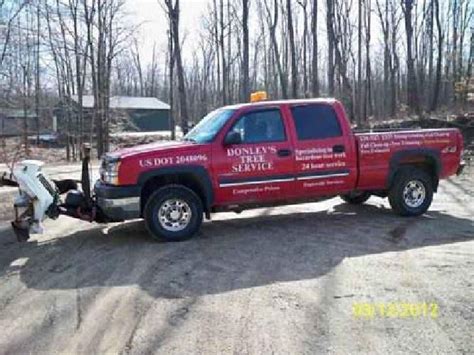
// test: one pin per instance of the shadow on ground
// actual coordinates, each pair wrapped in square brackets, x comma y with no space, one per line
[228,254]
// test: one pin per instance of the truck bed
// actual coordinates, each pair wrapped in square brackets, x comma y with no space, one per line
[379,150]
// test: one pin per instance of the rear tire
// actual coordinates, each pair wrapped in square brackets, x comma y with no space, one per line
[412,192]
[356,198]
[173,213]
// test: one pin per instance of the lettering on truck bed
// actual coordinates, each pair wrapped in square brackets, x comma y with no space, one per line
[387,142]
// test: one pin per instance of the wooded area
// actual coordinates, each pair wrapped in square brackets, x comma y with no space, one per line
[383,58]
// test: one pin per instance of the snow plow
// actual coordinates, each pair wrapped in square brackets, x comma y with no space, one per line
[40,197]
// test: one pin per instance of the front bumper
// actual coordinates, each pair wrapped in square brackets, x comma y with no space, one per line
[118,203]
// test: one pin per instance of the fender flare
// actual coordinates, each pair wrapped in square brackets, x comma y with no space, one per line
[398,157]
[198,172]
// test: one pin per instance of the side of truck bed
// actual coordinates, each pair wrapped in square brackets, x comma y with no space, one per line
[381,153]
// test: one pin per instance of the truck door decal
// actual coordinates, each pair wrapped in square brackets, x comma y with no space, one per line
[309,175]
[228,182]
[251,159]
[322,174]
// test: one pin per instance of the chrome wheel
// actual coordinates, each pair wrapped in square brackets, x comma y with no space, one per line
[414,193]
[174,215]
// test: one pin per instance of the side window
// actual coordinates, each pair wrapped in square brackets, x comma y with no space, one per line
[260,127]
[315,122]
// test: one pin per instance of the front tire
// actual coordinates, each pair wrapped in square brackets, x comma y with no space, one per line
[173,213]
[412,192]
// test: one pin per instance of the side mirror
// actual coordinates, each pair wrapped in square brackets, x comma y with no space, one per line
[233,137]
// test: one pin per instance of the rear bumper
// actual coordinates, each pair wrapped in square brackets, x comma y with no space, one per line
[461,167]
[118,203]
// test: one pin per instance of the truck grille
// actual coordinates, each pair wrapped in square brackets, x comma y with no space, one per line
[47,185]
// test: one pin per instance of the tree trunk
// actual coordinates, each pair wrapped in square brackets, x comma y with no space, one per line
[431,49]
[174,13]
[37,74]
[304,5]
[223,57]
[80,63]
[314,59]
[368,74]
[171,82]
[412,87]
[331,45]
[272,28]
[245,93]
[294,68]
[454,53]
[395,63]
[439,61]
[360,104]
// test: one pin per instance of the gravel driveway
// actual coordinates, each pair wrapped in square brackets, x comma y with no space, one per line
[282,280]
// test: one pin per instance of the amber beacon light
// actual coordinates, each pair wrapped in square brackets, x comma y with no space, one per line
[258,96]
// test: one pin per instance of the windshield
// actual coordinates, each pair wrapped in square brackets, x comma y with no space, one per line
[209,126]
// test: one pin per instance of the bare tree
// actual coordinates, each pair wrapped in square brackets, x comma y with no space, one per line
[368,107]
[314,56]
[304,5]
[412,86]
[222,51]
[437,84]
[173,16]
[9,25]
[245,55]
[331,45]
[240,44]
[291,37]
[360,111]
[37,74]
[389,92]
[138,66]
[272,25]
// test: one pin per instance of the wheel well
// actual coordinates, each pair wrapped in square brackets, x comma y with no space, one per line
[185,179]
[422,162]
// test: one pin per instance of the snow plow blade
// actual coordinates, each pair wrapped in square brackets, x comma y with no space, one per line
[40,198]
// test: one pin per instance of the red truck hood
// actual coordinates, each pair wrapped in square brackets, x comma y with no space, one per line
[149,148]
[139,159]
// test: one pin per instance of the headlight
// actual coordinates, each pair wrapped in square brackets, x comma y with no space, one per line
[109,170]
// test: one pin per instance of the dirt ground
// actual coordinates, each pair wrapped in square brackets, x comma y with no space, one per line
[282,280]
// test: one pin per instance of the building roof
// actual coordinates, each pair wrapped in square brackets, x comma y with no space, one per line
[126,102]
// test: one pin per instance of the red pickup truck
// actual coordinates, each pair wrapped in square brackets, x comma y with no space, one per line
[272,153]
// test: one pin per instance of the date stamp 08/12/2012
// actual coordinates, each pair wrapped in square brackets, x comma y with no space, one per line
[395,310]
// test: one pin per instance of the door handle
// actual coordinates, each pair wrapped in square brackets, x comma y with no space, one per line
[338,148]
[284,152]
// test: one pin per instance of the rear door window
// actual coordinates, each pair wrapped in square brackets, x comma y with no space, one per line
[315,122]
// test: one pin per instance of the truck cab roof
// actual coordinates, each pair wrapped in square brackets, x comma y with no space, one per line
[324,100]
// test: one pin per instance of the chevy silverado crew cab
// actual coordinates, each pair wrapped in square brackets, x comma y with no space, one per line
[271,153]
[266,154]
